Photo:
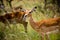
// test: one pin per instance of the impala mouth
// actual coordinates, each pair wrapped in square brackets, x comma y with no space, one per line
[24,17]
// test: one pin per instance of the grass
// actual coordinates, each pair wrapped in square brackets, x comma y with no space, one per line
[17,31]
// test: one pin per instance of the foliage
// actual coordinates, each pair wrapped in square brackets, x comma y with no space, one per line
[17,31]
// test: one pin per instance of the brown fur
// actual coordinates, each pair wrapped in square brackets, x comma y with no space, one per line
[44,27]
[14,15]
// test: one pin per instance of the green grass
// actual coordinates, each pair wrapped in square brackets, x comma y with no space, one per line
[17,31]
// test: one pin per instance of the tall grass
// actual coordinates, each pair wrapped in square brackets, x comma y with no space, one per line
[17,31]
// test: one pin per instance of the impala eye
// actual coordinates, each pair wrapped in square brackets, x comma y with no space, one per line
[30,12]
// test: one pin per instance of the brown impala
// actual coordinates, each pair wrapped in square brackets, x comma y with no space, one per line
[18,17]
[45,27]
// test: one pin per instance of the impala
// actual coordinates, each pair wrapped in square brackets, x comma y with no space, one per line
[18,17]
[45,27]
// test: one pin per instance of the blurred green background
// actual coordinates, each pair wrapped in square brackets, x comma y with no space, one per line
[17,31]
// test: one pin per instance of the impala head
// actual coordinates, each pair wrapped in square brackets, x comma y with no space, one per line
[29,12]
[19,9]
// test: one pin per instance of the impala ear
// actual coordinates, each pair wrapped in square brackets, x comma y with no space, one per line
[34,9]
[23,10]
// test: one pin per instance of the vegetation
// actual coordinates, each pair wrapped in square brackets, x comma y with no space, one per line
[17,31]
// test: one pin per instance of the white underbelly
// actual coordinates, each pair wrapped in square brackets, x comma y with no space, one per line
[54,31]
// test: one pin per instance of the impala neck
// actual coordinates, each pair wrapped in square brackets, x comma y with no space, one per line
[33,23]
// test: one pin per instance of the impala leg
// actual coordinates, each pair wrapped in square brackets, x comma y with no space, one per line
[47,37]
[42,36]
[59,28]
[25,26]
[8,24]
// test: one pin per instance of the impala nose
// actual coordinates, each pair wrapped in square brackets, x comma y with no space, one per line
[24,17]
